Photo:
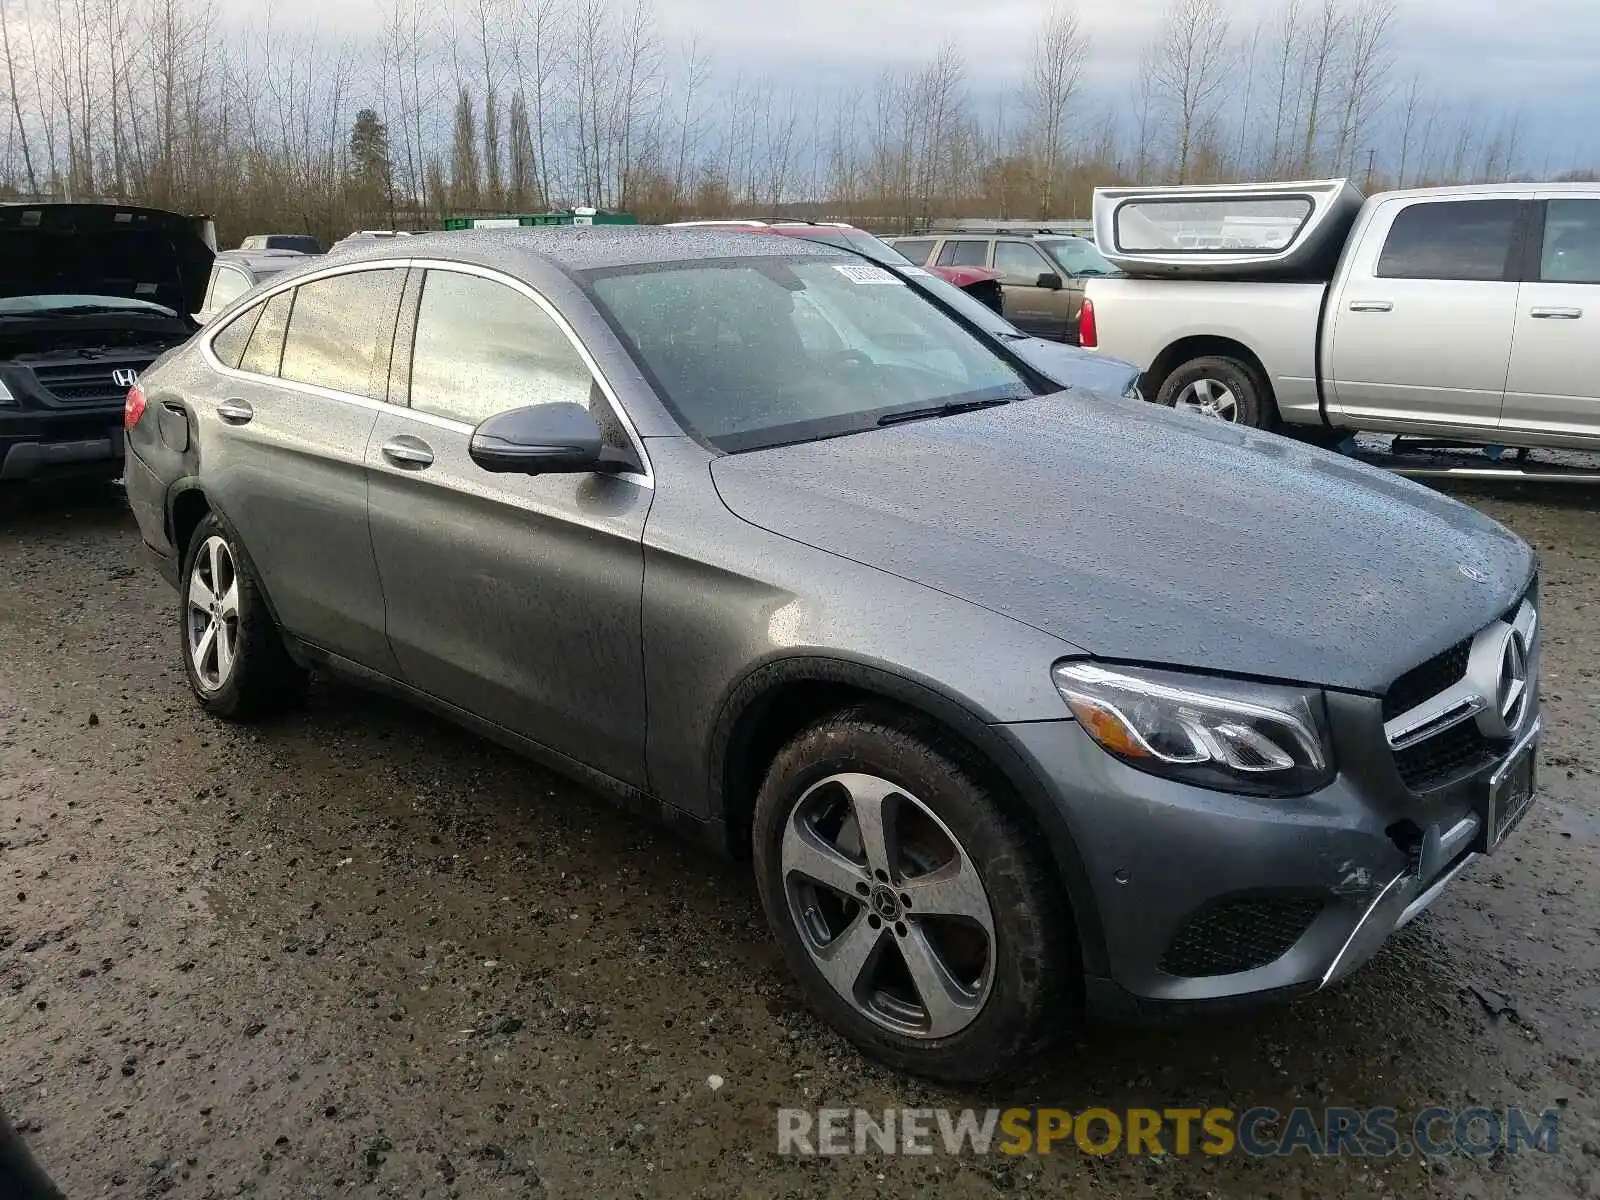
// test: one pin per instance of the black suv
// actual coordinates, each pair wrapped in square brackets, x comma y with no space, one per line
[90,295]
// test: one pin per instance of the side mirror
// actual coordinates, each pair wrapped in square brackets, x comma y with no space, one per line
[1048,280]
[542,439]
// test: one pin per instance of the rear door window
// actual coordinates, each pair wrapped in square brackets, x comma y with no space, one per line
[335,328]
[965,252]
[1571,251]
[265,350]
[1452,239]
[916,251]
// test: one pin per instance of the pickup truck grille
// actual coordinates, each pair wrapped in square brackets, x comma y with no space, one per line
[88,382]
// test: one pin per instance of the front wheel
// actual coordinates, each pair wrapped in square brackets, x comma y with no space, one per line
[1220,387]
[918,916]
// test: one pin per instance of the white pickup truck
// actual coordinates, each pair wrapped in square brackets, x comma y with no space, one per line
[1466,315]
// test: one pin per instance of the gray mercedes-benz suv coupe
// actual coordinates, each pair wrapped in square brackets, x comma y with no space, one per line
[1021,702]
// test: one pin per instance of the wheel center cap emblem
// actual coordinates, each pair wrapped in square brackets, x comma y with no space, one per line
[885,904]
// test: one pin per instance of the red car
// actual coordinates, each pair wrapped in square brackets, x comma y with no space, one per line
[980,282]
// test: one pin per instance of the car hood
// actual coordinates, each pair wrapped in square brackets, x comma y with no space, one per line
[966,276]
[105,250]
[1071,367]
[1136,533]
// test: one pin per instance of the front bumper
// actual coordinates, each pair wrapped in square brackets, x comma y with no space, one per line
[34,443]
[1199,899]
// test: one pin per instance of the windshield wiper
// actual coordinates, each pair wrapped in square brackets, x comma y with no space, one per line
[949,409]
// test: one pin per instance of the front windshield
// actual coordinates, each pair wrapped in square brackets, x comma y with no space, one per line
[1079,257]
[763,351]
[12,306]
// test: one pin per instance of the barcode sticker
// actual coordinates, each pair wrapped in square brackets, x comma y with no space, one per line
[866,273]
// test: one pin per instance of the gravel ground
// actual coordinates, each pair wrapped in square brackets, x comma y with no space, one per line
[360,952]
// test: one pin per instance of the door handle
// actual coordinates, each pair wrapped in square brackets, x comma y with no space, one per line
[1556,314]
[1372,306]
[409,452]
[235,412]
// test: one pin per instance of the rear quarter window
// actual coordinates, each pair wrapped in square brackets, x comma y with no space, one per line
[229,344]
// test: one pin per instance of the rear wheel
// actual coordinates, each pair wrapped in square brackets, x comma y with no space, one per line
[1225,388]
[918,916]
[232,653]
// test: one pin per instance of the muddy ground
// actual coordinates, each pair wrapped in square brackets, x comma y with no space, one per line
[359,952]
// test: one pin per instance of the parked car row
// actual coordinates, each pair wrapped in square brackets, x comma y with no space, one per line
[1043,276]
[1022,702]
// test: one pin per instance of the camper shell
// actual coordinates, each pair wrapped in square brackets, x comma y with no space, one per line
[1290,230]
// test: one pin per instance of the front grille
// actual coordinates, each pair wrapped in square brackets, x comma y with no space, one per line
[1239,933]
[87,382]
[1456,751]
[1432,677]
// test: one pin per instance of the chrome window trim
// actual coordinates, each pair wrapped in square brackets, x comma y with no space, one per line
[645,478]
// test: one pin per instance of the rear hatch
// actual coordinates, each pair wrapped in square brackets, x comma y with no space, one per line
[105,250]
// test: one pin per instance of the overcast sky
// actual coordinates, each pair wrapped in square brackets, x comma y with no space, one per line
[1538,57]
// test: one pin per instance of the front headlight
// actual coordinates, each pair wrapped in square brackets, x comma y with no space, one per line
[1260,739]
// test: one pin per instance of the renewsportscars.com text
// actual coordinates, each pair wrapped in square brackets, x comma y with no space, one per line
[1258,1132]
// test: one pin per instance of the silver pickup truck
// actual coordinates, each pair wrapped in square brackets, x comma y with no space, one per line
[1468,315]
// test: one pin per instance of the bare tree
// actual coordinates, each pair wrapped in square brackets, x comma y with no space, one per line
[1364,75]
[1189,68]
[1055,75]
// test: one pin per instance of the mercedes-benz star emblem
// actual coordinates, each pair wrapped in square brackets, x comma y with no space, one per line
[125,377]
[1511,692]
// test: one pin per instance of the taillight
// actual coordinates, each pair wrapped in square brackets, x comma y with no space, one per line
[1088,335]
[133,407]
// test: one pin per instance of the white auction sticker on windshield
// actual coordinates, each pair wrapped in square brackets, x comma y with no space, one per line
[866,273]
[918,271]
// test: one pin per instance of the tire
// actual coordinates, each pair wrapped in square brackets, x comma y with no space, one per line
[255,676]
[1234,387]
[1019,982]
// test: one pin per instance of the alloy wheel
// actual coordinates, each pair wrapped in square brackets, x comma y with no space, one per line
[212,618]
[889,905]
[1209,398]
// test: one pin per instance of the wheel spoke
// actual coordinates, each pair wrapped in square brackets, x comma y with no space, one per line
[805,853]
[874,814]
[954,890]
[1202,390]
[200,593]
[218,556]
[949,1005]
[230,598]
[847,957]
[203,647]
[224,651]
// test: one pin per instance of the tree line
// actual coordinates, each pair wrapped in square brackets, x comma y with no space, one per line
[524,105]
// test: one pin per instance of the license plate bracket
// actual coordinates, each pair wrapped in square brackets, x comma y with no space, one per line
[1510,794]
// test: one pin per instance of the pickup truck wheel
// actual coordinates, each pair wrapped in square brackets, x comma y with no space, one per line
[921,920]
[1224,388]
